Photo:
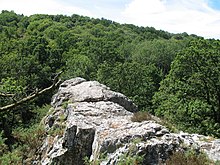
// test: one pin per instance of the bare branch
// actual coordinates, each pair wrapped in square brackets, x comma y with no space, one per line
[56,82]
[6,95]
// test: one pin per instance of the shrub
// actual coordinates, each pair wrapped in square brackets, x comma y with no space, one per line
[188,158]
[141,116]
[32,136]
[12,158]
[28,141]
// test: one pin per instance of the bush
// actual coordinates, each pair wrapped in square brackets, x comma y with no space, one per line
[28,141]
[12,158]
[188,158]
[141,116]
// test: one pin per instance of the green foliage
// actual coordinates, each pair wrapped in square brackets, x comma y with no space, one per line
[57,130]
[12,158]
[97,161]
[135,80]
[131,157]
[28,141]
[8,85]
[171,127]
[65,104]
[32,136]
[11,87]
[158,52]
[77,65]
[28,138]
[189,95]
[40,112]
[3,146]
[130,160]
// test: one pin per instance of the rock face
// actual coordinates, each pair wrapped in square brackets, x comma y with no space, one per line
[88,121]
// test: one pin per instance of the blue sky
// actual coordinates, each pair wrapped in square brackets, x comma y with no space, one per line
[215,4]
[201,17]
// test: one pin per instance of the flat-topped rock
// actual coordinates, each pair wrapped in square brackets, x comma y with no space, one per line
[80,90]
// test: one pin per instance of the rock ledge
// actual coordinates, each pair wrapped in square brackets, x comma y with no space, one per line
[87,119]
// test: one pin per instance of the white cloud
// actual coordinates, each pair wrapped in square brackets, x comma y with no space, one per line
[29,7]
[193,17]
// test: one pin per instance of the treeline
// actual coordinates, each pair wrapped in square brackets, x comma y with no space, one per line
[175,76]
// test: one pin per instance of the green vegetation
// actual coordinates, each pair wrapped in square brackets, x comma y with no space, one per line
[25,140]
[57,130]
[97,161]
[131,157]
[175,76]
[189,157]
[190,94]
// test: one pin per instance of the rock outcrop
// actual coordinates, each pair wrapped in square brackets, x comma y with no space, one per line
[88,121]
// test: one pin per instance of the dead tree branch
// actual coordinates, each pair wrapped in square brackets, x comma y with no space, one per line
[56,82]
[6,95]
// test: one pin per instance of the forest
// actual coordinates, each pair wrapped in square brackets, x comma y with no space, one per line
[173,76]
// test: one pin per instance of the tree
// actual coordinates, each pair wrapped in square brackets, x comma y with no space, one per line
[159,52]
[136,81]
[77,65]
[190,95]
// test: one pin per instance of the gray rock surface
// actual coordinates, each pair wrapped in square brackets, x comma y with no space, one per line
[88,120]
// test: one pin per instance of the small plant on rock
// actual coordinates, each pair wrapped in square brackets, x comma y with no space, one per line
[97,161]
[57,129]
[131,157]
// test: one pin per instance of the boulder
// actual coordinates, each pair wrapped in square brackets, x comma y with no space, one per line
[90,122]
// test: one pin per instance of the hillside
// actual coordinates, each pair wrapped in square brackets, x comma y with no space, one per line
[173,76]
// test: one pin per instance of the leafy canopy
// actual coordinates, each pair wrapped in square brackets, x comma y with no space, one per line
[190,95]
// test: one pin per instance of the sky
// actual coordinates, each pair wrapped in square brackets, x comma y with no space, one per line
[200,17]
